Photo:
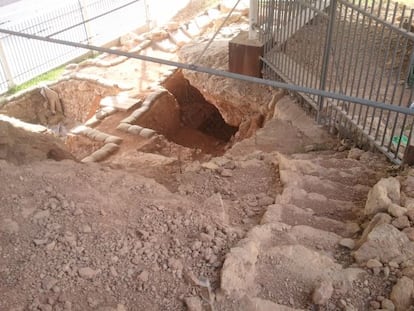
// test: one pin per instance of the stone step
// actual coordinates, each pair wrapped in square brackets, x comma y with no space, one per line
[214,13]
[293,215]
[203,22]
[347,175]
[191,29]
[284,273]
[166,45]
[179,37]
[320,204]
[299,270]
[331,189]
[120,102]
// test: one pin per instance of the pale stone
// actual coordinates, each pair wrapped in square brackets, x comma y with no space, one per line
[87,273]
[373,263]
[401,222]
[322,293]
[355,153]
[9,226]
[401,293]
[348,243]
[193,303]
[385,243]
[379,219]
[410,233]
[387,304]
[382,195]
[396,210]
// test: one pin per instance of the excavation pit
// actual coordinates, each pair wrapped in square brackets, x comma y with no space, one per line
[181,114]
[178,112]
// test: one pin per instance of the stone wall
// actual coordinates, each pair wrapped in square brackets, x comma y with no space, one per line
[80,98]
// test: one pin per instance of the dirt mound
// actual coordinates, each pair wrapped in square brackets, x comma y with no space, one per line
[20,145]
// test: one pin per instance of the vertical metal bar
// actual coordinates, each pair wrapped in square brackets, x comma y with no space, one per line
[296,18]
[328,45]
[389,80]
[402,92]
[6,67]
[377,65]
[372,42]
[347,59]
[366,53]
[147,15]
[383,71]
[253,20]
[357,56]
[87,27]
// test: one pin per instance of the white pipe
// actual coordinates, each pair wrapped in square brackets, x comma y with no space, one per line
[253,20]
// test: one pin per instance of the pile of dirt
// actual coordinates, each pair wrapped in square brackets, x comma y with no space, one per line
[21,145]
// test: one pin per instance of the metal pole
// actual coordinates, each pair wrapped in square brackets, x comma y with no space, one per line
[253,20]
[6,68]
[327,52]
[85,17]
[218,72]
[147,14]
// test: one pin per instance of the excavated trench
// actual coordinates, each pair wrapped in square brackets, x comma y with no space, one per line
[183,117]
[201,124]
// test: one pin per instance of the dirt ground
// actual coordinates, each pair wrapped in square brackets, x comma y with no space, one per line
[171,224]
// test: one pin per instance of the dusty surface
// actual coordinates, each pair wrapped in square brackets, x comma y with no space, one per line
[266,212]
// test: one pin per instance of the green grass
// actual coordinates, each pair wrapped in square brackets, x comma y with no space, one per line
[47,76]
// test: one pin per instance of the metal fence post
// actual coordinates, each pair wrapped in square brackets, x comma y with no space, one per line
[253,34]
[85,16]
[6,68]
[326,55]
[147,15]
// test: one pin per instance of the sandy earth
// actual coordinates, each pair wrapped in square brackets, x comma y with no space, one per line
[256,224]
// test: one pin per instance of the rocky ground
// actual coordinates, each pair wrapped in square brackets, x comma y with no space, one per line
[282,216]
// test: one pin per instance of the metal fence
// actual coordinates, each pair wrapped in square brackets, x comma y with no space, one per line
[359,48]
[83,21]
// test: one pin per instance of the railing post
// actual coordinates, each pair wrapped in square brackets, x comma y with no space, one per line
[85,16]
[6,68]
[326,55]
[253,19]
[147,15]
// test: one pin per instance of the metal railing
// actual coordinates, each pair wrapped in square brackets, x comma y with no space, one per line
[83,21]
[359,48]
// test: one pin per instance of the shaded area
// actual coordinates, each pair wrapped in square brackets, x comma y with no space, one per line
[196,112]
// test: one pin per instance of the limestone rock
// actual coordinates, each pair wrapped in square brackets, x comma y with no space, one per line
[410,214]
[409,272]
[396,210]
[387,304]
[9,226]
[355,153]
[87,273]
[379,219]
[322,293]
[193,303]
[373,263]
[401,294]
[258,304]
[348,243]
[410,233]
[401,222]
[385,243]
[238,269]
[382,195]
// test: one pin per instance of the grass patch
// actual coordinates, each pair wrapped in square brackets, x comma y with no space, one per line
[47,76]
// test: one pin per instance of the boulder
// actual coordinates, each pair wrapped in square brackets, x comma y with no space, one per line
[385,193]
[386,243]
[379,219]
[401,294]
